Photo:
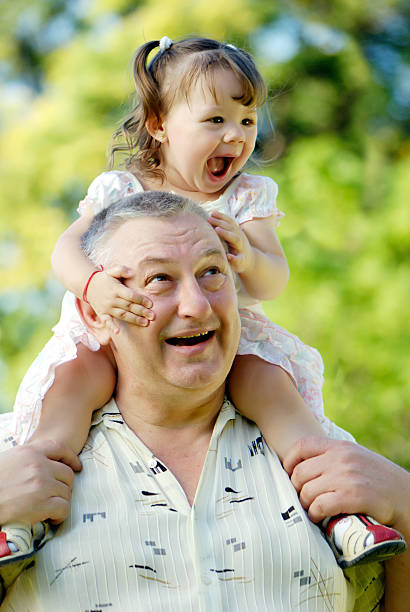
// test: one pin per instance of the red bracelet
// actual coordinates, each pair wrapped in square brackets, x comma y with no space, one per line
[88,282]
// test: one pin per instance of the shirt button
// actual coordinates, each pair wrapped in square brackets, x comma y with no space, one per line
[206,579]
[153,462]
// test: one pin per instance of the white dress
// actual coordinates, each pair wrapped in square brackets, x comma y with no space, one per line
[247,197]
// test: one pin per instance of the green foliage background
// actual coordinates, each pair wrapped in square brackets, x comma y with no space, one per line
[339,150]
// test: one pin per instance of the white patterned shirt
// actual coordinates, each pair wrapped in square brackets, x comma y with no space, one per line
[132,542]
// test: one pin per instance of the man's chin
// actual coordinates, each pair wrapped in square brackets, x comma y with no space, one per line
[198,376]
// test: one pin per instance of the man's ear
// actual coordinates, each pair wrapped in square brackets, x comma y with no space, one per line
[155,128]
[94,323]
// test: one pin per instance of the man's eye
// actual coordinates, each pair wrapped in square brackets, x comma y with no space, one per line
[216,120]
[212,271]
[213,278]
[157,278]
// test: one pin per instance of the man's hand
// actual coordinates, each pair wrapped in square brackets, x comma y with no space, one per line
[36,481]
[333,476]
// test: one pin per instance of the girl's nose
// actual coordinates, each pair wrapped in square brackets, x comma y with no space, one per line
[234,133]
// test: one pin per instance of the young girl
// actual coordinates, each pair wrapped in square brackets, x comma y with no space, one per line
[192,130]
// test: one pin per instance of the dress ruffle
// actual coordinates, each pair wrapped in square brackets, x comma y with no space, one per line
[254,197]
[274,344]
[61,348]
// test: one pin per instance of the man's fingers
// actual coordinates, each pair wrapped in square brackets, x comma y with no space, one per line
[303,449]
[323,506]
[63,474]
[57,510]
[306,472]
[58,451]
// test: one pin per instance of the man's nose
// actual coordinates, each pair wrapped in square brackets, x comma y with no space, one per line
[234,133]
[193,301]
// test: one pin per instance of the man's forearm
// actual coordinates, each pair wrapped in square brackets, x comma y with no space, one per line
[359,480]
[397,590]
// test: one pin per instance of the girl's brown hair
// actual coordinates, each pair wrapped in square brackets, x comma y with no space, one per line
[170,74]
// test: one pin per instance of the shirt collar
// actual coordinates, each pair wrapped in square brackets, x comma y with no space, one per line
[110,414]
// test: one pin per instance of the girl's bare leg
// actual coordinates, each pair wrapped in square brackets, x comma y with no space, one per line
[265,394]
[80,387]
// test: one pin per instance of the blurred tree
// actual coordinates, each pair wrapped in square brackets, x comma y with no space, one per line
[336,142]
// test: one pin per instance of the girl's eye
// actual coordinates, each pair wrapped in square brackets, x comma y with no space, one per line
[248,121]
[216,120]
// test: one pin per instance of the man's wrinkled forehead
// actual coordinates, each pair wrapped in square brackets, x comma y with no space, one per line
[144,240]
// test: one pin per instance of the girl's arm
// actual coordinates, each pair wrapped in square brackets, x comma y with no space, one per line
[70,264]
[106,293]
[255,253]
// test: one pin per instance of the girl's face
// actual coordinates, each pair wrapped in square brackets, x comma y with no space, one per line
[206,139]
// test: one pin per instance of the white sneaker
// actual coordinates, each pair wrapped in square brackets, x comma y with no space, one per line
[19,541]
[363,539]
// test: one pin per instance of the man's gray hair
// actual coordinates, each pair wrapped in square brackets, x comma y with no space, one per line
[144,204]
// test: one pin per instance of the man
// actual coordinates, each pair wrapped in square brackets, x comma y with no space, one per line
[179,505]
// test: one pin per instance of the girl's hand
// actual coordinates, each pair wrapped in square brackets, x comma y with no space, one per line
[108,295]
[240,254]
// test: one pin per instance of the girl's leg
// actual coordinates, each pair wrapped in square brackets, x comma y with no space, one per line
[265,394]
[80,387]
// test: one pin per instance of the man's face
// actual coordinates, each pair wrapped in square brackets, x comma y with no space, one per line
[181,265]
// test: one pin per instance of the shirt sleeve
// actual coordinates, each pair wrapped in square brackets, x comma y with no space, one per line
[106,188]
[254,197]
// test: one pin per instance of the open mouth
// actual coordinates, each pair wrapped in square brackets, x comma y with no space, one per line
[219,166]
[190,340]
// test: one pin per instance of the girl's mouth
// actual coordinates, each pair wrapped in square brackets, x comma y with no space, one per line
[218,167]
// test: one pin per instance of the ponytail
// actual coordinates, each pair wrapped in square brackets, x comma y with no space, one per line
[140,148]
[146,87]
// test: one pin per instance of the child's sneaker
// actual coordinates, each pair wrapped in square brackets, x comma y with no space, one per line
[19,541]
[357,539]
